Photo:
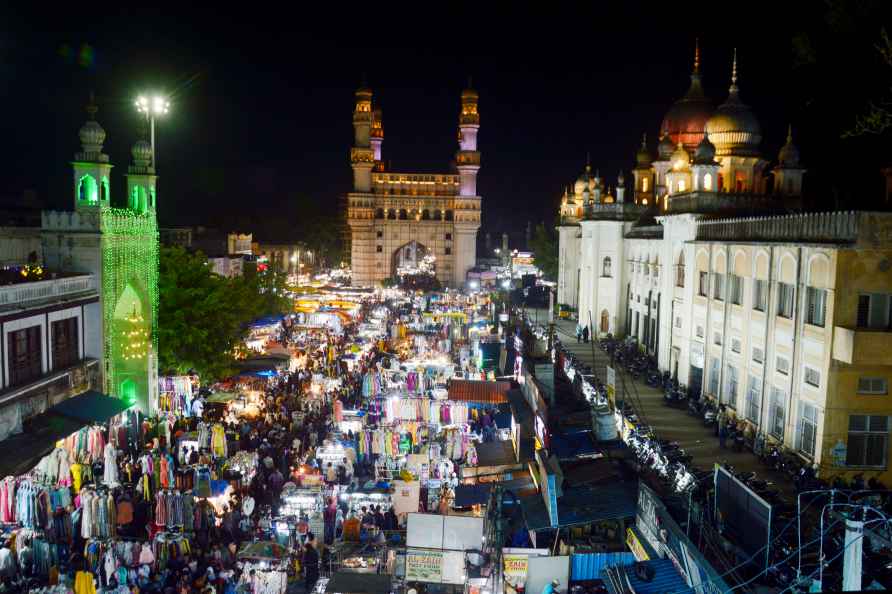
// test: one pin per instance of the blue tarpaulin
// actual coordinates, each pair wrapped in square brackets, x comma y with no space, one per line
[588,566]
[268,321]
[468,495]
[569,446]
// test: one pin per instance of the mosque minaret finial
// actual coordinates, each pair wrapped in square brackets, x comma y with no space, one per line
[734,71]
[696,55]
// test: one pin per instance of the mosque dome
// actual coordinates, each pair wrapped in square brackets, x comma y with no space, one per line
[92,136]
[734,128]
[584,181]
[685,121]
[680,158]
[789,154]
[141,152]
[642,157]
[665,148]
[705,153]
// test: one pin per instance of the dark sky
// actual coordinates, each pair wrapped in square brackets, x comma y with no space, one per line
[261,102]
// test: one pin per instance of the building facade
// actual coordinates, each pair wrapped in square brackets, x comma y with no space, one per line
[785,318]
[406,222]
[119,248]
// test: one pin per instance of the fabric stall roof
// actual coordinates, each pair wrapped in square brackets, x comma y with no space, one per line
[221,397]
[22,452]
[478,391]
[495,453]
[569,446]
[90,407]
[268,321]
[584,505]
[468,495]
[362,583]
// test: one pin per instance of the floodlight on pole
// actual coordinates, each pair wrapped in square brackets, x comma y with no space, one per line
[154,106]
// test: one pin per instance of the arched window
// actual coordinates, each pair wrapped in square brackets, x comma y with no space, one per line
[391,214]
[379,213]
[402,215]
[438,215]
[448,215]
[679,271]
[707,182]
[606,267]
[103,190]
[644,182]
[87,190]
[152,198]
[681,185]
[425,215]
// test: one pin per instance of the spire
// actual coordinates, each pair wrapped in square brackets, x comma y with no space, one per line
[644,141]
[92,107]
[733,88]
[696,56]
[588,162]
[790,133]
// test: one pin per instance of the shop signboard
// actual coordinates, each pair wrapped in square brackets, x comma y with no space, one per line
[424,566]
[515,570]
[635,546]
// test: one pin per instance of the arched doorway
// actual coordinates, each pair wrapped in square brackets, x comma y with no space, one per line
[131,344]
[605,321]
[411,259]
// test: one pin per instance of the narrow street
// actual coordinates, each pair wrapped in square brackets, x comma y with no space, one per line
[669,422]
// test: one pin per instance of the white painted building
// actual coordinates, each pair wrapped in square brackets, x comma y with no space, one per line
[762,313]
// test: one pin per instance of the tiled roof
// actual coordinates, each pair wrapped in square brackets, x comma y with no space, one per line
[478,391]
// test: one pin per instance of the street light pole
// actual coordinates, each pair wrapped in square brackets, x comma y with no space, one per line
[155,106]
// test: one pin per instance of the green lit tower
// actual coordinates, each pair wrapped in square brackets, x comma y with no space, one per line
[120,247]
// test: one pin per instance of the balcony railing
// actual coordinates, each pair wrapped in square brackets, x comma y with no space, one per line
[28,292]
[75,379]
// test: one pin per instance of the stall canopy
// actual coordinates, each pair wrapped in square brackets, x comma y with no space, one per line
[360,583]
[478,391]
[91,407]
[263,550]
[468,495]
[584,505]
[43,431]
[221,397]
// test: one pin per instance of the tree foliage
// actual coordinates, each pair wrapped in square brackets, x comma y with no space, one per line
[202,316]
[545,248]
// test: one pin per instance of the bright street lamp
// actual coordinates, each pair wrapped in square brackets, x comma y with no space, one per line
[154,106]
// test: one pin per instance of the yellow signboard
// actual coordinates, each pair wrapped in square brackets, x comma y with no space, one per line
[635,546]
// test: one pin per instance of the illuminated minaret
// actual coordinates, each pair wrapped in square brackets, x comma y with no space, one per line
[91,167]
[468,157]
[362,157]
[377,137]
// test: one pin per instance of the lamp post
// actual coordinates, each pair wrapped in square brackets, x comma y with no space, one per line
[154,106]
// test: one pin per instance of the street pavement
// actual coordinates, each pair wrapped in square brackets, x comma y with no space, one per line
[672,423]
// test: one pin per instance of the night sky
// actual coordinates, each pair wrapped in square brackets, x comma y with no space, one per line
[260,125]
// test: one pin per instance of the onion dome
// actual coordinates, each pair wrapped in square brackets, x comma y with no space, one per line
[685,121]
[680,158]
[642,157]
[788,157]
[585,181]
[141,152]
[91,133]
[734,128]
[665,148]
[705,153]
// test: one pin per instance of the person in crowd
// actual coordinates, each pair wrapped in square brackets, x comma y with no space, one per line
[310,563]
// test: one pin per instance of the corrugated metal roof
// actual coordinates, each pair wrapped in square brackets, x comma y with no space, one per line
[588,566]
[666,579]
[478,391]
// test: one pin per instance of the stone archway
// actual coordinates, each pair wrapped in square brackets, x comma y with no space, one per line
[605,321]
[412,258]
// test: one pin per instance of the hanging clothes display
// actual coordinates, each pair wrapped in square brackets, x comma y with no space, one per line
[218,441]
[175,395]
[110,475]
[98,514]
[86,445]
[167,546]
[170,508]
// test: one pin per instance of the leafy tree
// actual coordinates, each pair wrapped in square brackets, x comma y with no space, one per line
[545,248]
[203,317]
